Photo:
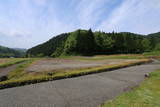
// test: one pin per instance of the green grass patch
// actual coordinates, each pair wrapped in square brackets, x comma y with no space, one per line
[146,95]
[153,53]
[30,79]
[13,61]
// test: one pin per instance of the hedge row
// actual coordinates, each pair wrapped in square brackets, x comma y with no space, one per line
[15,83]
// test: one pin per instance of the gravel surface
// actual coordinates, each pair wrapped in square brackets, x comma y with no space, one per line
[85,91]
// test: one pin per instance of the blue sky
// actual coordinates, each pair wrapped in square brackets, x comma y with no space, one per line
[26,23]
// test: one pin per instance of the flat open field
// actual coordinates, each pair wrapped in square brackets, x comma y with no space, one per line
[7,60]
[84,91]
[90,90]
[4,60]
[42,69]
[67,64]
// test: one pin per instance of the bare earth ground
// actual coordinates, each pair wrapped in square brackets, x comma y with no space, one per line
[84,91]
[57,64]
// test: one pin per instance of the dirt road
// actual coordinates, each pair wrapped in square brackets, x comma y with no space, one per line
[85,91]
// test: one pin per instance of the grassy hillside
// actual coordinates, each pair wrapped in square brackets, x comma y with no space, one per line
[8,52]
[86,42]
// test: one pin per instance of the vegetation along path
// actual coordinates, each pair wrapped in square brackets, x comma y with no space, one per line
[4,71]
[84,91]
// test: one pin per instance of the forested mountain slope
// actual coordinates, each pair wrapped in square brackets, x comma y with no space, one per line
[86,42]
[155,40]
[49,47]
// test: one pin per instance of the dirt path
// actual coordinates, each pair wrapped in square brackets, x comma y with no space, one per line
[85,91]
[6,70]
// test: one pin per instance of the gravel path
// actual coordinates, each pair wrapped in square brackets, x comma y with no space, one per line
[85,91]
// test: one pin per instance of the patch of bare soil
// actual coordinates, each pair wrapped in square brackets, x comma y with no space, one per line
[61,64]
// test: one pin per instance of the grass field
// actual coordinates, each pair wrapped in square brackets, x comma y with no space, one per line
[4,62]
[43,69]
[153,53]
[146,95]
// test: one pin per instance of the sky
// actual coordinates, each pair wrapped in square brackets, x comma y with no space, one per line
[27,23]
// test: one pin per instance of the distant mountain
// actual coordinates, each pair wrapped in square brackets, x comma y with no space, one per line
[20,49]
[9,52]
[86,42]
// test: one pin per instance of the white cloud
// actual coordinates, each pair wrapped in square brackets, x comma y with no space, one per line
[116,16]
[31,22]
[89,12]
[134,16]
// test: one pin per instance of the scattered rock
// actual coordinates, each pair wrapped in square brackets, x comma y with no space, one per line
[146,75]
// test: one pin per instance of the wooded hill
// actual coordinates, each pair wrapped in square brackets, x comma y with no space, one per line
[86,42]
[8,52]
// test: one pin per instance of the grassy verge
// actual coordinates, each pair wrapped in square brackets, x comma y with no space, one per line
[19,71]
[13,61]
[62,75]
[152,54]
[146,95]
[104,57]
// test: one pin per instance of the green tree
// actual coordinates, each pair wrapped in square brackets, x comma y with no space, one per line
[89,47]
[157,47]
[145,44]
